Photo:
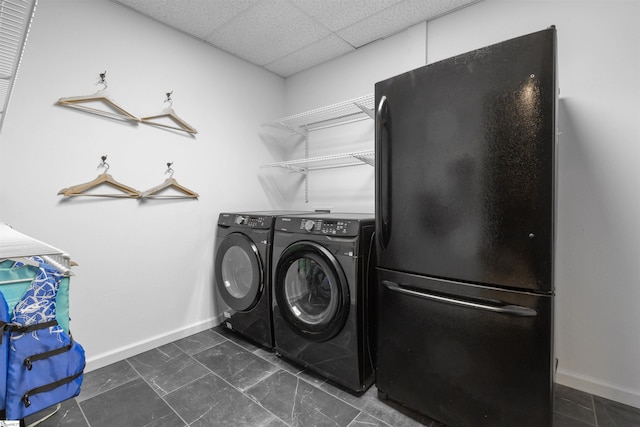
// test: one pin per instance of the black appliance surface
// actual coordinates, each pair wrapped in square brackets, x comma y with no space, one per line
[242,272]
[465,207]
[322,284]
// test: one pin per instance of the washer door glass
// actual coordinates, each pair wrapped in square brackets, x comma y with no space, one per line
[238,271]
[311,291]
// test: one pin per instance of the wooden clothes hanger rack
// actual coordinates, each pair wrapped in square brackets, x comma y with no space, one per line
[170,114]
[103,178]
[155,192]
[101,96]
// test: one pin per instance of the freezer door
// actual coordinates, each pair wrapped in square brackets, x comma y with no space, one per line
[465,166]
[465,355]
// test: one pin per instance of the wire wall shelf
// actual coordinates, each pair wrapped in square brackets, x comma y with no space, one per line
[342,113]
[356,158]
[337,114]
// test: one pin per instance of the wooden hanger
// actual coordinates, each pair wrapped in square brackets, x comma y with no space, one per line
[100,96]
[172,116]
[103,178]
[154,193]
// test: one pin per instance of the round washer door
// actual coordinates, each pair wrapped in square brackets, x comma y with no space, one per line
[311,291]
[238,271]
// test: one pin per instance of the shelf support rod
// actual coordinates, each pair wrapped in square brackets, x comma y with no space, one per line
[306,164]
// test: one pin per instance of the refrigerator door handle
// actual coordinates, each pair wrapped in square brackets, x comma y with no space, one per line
[383,177]
[509,309]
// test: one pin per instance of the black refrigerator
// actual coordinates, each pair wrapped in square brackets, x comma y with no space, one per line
[465,208]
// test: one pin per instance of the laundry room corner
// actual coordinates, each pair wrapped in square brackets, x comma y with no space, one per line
[145,266]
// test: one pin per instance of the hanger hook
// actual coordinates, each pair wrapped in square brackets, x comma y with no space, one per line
[169,170]
[104,164]
[103,80]
[169,100]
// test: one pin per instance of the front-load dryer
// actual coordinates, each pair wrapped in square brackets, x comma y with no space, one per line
[243,273]
[322,285]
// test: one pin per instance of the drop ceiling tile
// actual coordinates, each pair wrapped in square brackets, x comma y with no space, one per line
[337,14]
[397,18]
[196,17]
[313,54]
[268,31]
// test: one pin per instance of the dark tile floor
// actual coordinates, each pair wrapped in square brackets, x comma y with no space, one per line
[215,378]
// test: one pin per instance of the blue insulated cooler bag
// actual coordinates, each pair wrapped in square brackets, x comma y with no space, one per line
[45,366]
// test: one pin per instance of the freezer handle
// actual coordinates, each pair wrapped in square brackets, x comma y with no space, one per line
[383,178]
[502,308]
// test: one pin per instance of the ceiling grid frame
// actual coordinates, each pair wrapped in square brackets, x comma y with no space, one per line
[289,36]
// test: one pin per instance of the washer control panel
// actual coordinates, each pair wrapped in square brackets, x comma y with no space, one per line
[323,226]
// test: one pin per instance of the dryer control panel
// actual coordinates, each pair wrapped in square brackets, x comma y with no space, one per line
[245,220]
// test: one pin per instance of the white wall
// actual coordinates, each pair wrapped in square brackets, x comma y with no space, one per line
[145,268]
[598,244]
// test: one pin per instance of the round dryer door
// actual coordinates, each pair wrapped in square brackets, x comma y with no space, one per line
[311,291]
[238,271]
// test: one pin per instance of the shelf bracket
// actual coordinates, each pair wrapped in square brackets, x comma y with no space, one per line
[303,171]
[365,159]
[300,131]
[367,111]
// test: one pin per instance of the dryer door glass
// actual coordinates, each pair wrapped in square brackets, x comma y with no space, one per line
[238,271]
[312,291]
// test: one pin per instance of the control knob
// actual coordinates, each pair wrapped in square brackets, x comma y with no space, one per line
[309,224]
[241,220]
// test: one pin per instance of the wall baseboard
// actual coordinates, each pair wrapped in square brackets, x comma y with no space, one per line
[122,353]
[598,387]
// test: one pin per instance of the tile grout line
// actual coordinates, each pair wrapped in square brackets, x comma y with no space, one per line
[360,411]
[82,412]
[231,385]
[592,410]
[326,381]
[79,403]
[595,413]
[155,391]
[298,379]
